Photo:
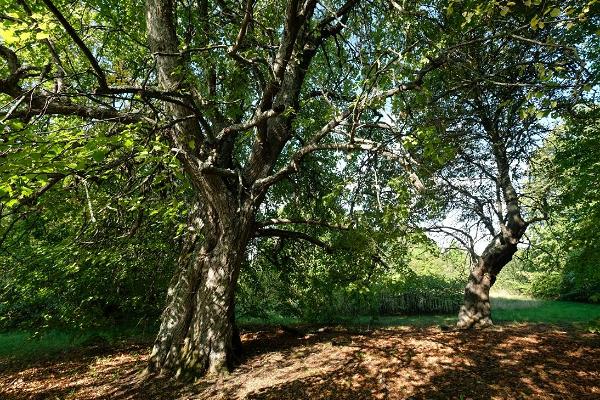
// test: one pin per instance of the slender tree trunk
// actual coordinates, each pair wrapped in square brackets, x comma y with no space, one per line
[197,333]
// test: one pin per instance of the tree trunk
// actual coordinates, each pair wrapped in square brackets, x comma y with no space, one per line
[197,333]
[197,325]
[476,310]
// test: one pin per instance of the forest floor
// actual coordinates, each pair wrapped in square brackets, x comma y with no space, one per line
[517,361]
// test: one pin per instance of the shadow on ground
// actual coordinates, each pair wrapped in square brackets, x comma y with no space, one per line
[512,362]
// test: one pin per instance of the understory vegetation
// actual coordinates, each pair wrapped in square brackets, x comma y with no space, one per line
[47,287]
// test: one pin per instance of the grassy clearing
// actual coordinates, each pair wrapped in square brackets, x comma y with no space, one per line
[540,311]
[360,320]
[506,310]
[20,344]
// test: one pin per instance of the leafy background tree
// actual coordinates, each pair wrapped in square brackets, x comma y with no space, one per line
[567,246]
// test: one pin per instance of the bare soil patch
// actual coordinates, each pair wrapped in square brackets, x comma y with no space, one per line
[505,362]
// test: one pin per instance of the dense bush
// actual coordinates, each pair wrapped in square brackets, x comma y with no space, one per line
[59,270]
[577,281]
[565,253]
[316,286]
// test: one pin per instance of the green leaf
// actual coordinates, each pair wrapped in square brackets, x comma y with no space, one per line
[128,143]
[41,36]
[98,155]
[9,36]
[534,22]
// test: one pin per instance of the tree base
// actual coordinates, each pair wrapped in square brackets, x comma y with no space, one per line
[473,319]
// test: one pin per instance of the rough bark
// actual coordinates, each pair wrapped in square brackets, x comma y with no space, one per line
[476,309]
[197,325]
[197,333]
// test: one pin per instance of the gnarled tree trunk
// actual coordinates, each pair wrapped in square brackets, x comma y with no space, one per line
[197,333]
[476,310]
[197,325]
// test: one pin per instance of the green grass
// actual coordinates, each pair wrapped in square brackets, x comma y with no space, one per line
[505,310]
[271,320]
[410,320]
[27,345]
[540,311]
[361,320]
[20,344]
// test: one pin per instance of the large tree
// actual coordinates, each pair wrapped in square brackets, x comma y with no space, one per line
[234,95]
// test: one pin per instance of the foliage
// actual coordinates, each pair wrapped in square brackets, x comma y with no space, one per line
[48,281]
[88,254]
[566,251]
[307,284]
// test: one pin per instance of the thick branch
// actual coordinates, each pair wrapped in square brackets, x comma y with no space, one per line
[40,107]
[359,145]
[11,59]
[101,77]
[282,233]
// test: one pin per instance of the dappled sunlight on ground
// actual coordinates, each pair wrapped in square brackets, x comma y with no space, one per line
[506,362]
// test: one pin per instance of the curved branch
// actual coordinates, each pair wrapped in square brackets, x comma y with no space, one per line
[282,233]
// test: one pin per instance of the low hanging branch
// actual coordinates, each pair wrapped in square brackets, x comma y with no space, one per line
[285,221]
[286,234]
